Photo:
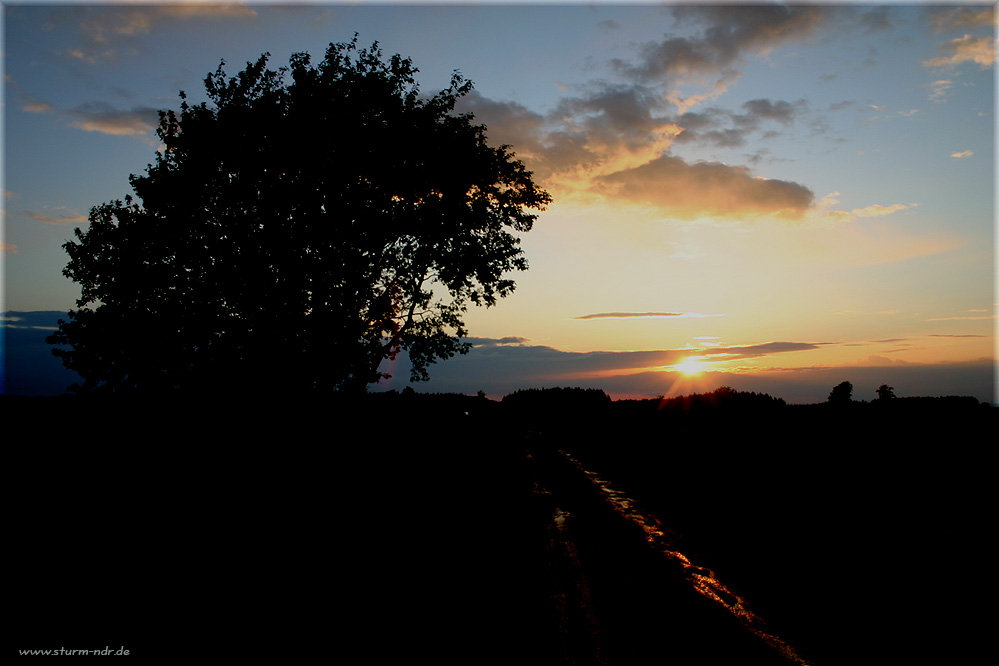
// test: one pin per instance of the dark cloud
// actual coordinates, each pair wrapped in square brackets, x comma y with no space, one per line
[616,114]
[36,319]
[545,144]
[779,111]
[876,19]
[487,342]
[28,366]
[724,138]
[709,127]
[500,370]
[765,349]
[104,118]
[612,139]
[710,118]
[940,335]
[729,32]
[525,366]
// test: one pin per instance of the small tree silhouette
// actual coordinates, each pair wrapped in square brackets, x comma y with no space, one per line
[885,392]
[841,394]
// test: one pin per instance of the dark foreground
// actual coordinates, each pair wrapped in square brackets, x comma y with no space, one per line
[454,529]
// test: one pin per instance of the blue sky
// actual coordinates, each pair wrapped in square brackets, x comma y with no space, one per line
[813,183]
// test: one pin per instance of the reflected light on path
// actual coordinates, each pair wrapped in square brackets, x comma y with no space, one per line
[701,578]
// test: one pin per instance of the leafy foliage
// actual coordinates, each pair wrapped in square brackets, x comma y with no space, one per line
[298,234]
[841,394]
[886,392]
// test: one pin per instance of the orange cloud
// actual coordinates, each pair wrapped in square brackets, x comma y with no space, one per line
[101,117]
[611,141]
[824,209]
[981,50]
[704,189]
[68,217]
[36,107]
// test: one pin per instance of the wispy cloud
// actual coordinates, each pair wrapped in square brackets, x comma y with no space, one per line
[36,107]
[67,216]
[940,335]
[8,248]
[29,102]
[939,89]
[106,31]
[962,154]
[964,318]
[102,117]
[877,210]
[825,207]
[963,18]
[647,315]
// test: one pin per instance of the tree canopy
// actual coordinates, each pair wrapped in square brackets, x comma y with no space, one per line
[298,233]
[886,392]
[841,394]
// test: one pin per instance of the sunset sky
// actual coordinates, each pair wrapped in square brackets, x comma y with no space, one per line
[772,197]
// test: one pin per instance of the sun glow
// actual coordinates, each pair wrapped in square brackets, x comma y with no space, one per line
[691,365]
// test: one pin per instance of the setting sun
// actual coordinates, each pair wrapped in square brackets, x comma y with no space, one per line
[737,197]
[691,365]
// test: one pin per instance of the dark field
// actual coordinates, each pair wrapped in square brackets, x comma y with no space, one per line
[450,528]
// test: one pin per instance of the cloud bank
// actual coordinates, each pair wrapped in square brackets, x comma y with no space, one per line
[610,140]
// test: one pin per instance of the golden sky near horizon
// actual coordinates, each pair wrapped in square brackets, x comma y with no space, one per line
[763,186]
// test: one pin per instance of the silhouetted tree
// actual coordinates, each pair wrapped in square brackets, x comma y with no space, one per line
[885,392]
[841,393]
[298,234]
